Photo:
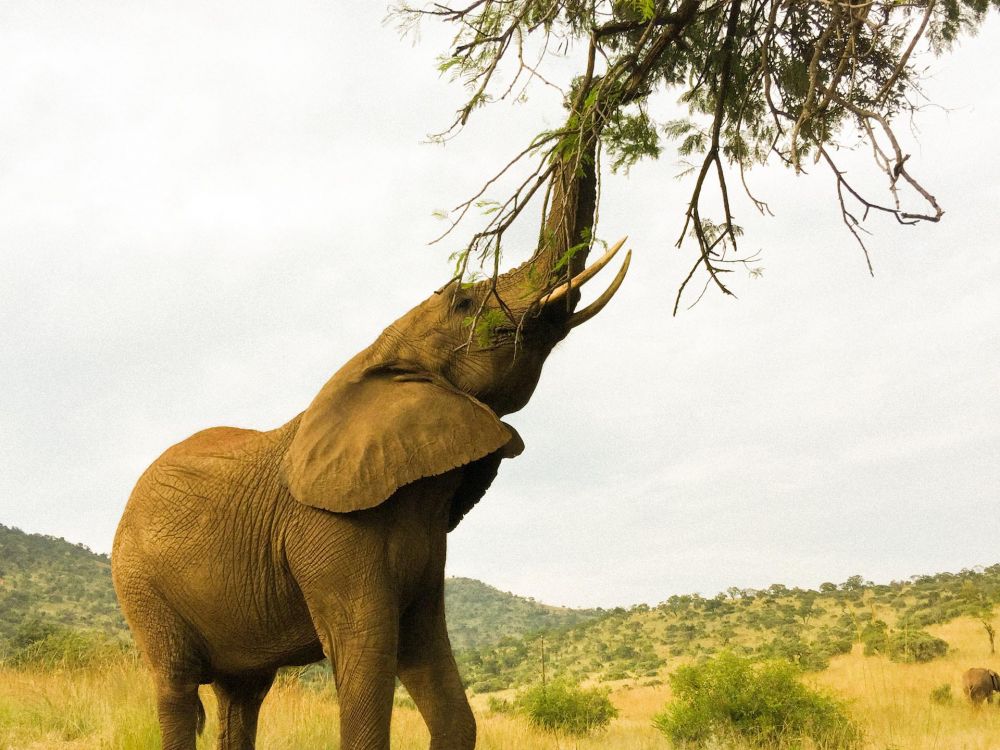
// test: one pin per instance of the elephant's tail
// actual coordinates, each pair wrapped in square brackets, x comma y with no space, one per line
[200,723]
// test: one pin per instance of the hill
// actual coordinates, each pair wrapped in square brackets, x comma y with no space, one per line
[46,582]
[805,626]
[480,615]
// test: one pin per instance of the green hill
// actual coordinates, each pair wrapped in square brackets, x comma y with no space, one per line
[802,625]
[51,582]
[480,615]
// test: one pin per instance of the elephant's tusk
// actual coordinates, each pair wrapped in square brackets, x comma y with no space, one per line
[581,278]
[598,304]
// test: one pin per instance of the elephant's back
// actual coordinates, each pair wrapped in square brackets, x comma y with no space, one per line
[205,478]
[218,442]
[202,533]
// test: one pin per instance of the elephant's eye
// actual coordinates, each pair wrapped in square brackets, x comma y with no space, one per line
[463,304]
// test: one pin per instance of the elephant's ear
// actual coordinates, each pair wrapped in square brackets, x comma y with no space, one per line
[478,477]
[365,436]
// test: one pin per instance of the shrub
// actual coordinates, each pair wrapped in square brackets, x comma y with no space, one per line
[941,694]
[489,685]
[63,648]
[564,707]
[904,645]
[764,704]
[915,646]
[875,637]
[791,647]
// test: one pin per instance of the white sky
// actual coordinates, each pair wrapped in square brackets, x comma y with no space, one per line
[207,207]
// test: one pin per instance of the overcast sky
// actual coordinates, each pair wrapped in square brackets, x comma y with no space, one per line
[207,207]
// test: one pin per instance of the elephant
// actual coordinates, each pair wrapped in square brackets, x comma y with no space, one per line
[242,551]
[979,684]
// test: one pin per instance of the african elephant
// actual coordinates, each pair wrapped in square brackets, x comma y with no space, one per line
[242,551]
[980,684]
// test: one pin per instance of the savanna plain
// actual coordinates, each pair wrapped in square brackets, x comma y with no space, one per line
[112,707]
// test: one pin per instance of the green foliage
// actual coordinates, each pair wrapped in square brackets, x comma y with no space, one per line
[791,646]
[903,645]
[762,80]
[875,637]
[630,137]
[765,704]
[915,646]
[942,694]
[48,583]
[64,648]
[565,707]
[490,323]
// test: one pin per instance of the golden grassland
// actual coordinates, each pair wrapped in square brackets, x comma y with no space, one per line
[112,709]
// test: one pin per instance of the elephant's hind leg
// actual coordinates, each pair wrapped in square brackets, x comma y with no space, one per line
[180,713]
[170,649]
[240,699]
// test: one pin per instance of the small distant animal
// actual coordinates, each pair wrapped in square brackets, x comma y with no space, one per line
[979,684]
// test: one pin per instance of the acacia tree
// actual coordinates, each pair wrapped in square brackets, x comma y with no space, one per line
[762,80]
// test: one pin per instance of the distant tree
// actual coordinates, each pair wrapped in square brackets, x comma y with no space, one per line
[853,584]
[807,606]
[990,632]
[763,80]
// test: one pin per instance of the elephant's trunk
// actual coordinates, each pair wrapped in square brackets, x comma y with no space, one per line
[567,227]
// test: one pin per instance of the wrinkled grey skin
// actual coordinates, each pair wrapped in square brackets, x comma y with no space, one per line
[241,551]
[225,575]
[980,684]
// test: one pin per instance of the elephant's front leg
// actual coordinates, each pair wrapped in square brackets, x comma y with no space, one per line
[427,668]
[362,649]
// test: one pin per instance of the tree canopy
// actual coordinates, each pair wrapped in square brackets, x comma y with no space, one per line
[790,81]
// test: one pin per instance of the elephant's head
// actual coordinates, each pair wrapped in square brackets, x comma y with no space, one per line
[425,397]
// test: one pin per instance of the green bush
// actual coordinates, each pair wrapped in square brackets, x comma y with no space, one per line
[915,646]
[791,647]
[64,648]
[875,637]
[489,685]
[904,645]
[763,704]
[564,707]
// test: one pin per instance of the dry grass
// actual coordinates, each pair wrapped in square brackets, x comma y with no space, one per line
[112,709]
